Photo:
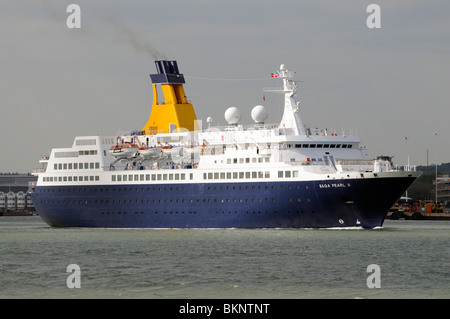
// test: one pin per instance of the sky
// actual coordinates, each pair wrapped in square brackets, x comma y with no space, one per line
[390,85]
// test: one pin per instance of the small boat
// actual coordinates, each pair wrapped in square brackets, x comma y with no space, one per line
[124,150]
[194,149]
[170,149]
[150,152]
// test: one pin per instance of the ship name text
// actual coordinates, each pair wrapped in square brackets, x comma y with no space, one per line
[334,185]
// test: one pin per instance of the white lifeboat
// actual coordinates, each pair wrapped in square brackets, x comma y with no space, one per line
[194,149]
[168,149]
[124,150]
[150,152]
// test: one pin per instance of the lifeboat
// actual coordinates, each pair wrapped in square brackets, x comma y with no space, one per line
[168,149]
[194,149]
[150,152]
[124,150]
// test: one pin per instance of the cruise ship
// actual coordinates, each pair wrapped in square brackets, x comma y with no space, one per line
[175,173]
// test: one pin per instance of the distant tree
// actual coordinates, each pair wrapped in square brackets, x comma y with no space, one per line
[423,187]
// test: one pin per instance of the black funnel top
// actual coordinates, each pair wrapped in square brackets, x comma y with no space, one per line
[167,73]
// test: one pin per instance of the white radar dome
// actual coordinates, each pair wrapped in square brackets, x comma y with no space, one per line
[259,114]
[232,115]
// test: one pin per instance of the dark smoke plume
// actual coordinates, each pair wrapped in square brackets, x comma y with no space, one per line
[138,44]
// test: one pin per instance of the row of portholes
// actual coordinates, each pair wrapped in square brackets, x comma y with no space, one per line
[160,201]
[260,212]
[141,213]
[182,212]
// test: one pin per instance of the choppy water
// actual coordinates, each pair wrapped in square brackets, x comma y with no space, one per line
[413,257]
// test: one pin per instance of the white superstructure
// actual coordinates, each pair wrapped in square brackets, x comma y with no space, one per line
[234,152]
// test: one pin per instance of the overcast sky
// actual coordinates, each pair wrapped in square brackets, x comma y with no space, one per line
[390,85]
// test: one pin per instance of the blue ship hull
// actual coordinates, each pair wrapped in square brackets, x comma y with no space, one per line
[313,204]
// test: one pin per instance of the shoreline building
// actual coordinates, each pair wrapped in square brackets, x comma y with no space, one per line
[443,188]
[15,192]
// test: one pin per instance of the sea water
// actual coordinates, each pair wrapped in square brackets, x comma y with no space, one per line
[412,259]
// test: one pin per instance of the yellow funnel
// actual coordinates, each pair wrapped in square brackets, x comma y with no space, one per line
[175,114]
